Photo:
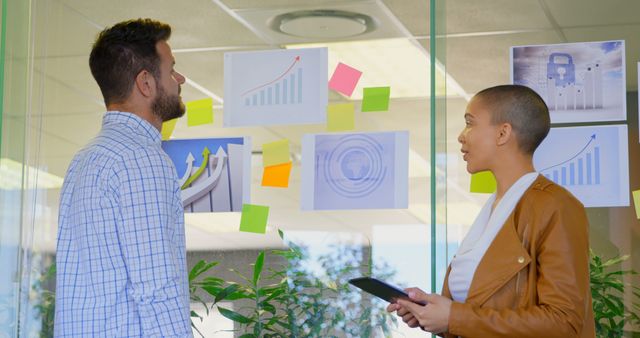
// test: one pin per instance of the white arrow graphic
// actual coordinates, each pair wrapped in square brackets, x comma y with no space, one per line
[196,191]
[187,173]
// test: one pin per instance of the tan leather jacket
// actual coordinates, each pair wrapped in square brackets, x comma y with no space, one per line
[533,281]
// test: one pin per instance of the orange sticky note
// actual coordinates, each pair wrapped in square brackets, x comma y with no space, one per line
[167,128]
[276,175]
[636,202]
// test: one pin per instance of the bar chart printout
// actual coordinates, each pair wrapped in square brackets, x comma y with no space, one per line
[582,169]
[276,87]
[285,89]
[591,162]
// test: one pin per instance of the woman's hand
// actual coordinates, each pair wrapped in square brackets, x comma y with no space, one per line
[403,312]
[433,317]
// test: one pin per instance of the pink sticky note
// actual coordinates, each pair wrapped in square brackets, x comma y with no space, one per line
[344,79]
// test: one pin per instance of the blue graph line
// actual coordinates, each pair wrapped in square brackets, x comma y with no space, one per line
[593,137]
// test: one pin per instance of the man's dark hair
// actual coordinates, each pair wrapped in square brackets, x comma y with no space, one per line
[121,52]
[521,107]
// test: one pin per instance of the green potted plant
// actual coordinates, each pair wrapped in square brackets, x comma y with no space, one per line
[289,301]
[607,290]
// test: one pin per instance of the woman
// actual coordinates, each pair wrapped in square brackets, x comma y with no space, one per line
[523,268]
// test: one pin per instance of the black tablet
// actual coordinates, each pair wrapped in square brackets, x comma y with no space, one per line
[380,289]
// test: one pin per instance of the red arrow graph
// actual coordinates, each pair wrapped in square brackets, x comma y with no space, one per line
[296,60]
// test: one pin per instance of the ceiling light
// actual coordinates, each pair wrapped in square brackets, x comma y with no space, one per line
[323,24]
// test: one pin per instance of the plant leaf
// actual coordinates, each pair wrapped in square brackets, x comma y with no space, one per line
[200,267]
[236,317]
[257,268]
[226,292]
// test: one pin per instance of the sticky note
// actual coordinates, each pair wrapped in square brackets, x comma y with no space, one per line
[376,99]
[636,202]
[254,218]
[340,117]
[344,79]
[200,112]
[167,128]
[276,175]
[483,182]
[275,153]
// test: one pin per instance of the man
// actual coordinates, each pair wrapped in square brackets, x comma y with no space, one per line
[121,257]
[523,268]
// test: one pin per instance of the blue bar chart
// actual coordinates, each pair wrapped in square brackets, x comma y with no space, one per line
[582,170]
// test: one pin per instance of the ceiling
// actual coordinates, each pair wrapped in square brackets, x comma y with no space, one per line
[474,38]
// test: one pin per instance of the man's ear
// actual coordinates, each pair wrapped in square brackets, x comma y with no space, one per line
[145,83]
[505,133]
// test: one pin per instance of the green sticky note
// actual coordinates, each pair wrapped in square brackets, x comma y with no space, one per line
[254,218]
[341,117]
[199,112]
[167,129]
[275,153]
[483,182]
[636,202]
[376,99]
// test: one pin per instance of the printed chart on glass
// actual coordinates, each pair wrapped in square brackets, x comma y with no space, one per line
[591,162]
[580,82]
[355,171]
[214,173]
[275,87]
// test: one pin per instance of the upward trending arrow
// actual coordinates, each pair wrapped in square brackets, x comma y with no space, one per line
[187,172]
[203,166]
[593,137]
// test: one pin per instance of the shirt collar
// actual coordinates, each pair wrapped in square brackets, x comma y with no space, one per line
[139,125]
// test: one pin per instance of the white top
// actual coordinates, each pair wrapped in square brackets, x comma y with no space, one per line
[480,236]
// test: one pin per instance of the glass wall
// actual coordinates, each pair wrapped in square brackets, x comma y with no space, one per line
[433,55]
[52,108]
[479,38]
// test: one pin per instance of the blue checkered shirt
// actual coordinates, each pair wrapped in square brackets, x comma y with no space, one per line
[121,256]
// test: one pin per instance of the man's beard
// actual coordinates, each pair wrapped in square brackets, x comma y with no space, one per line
[167,107]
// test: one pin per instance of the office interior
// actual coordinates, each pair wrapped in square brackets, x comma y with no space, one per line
[434,54]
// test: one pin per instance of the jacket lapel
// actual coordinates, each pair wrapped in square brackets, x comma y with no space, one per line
[503,259]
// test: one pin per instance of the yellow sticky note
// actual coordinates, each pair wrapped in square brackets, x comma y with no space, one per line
[483,182]
[341,117]
[167,128]
[276,175]
[199,112]
[275,153]
[636,202]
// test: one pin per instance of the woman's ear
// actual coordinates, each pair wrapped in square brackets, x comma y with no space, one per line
[505,133]
[145,84]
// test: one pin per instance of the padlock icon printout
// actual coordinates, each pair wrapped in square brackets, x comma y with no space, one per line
[561,68]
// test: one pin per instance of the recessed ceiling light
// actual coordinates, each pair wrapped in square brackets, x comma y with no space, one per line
[323,24]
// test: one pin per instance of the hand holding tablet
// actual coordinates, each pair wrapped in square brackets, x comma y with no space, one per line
[381,289]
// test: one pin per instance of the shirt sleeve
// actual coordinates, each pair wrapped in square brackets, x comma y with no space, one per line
[562,287]
[146,190]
